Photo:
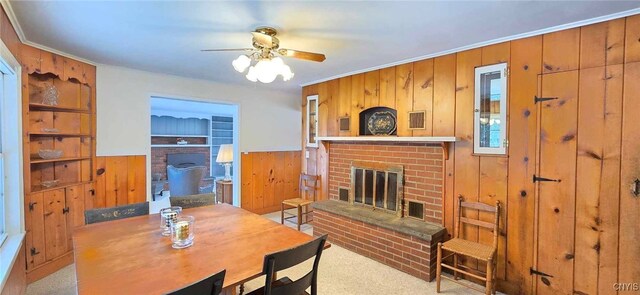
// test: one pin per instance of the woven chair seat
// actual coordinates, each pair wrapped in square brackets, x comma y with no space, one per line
[297,202]
[469,248]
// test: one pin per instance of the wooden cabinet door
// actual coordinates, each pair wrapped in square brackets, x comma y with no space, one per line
[74,201]
[55,225]
[34,226]
[556,199]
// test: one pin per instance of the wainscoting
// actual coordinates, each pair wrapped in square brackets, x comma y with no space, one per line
[268,178]
[120,180]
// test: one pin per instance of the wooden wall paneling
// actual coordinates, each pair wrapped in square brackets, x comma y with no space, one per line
[333,101]
[558,124]
[444,95]
[136,179]
[597,179]
[323,109]
[268,178]
[467,165]
[371,89]
[117,178]
[628,266]
[357,102]
[632,39]
[602,44]
[34,226]
[101,183]
[560,51]
[423,98]
[526,64]
[322,169]
[344,104]
[279,175]
[259,176]
[387,88]
[404,97]
[55,232]
[312,161]
[493,172]
[9,36]
[495,54]
[268,166]
[246,189]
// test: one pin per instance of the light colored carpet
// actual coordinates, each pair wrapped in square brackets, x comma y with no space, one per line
[341,272]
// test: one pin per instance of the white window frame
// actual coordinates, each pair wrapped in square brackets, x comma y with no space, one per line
[477,149]
[314,99]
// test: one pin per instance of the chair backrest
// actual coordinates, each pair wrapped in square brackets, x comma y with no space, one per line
[115,213]
[308,186]
[187,202]
[209,286]
[185,181]
[492,226]
[278,261]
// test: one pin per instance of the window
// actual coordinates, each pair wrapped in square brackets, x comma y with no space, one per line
[312,120]
[490,114]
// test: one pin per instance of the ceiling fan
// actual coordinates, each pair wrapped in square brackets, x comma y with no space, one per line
[266,51]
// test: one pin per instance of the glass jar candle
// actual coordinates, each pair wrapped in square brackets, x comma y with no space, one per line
[182,232]
[168,215]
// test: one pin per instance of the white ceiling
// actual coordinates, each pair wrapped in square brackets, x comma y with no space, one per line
[166,36]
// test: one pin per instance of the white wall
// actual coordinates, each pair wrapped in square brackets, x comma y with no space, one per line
[268,120]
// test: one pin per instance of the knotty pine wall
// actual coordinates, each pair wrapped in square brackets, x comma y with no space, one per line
[605,58]
[268,178]
[124,181]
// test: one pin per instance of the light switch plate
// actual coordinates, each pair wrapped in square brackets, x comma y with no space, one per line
[306,154]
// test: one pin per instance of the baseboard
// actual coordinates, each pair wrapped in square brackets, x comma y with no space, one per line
[49,267]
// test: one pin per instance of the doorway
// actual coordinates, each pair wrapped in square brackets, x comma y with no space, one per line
[187,133]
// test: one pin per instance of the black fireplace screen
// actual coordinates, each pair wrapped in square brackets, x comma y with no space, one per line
[377,185]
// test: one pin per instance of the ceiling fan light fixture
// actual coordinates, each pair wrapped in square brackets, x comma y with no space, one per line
[267,70]
[241,63]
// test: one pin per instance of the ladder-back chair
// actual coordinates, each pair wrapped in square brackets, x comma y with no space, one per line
[459,246]
[308,195]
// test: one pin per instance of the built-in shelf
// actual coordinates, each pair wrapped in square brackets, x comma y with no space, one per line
[59,134]
[179,145]
[46,107]
[389,138]
[61,185]
[40,160]
[176,135]
[442,140]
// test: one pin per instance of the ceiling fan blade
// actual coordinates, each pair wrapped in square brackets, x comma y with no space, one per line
[264,40]
[229,49]
[302,55]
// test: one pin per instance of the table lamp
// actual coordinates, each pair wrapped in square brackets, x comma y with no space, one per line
[225,158]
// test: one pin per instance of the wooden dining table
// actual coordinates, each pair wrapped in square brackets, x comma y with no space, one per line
[130,256]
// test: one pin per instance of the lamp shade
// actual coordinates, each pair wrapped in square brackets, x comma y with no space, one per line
[225,154]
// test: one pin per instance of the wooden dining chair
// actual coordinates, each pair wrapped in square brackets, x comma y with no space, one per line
[193,201]
[308,194]
[115,213]
[278,261]
[208,286]
[459,246]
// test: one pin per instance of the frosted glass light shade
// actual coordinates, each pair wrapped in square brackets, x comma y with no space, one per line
[267,70]
[241,63]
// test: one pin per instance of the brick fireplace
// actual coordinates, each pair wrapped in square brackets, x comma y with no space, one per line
[385,202]
[159,158]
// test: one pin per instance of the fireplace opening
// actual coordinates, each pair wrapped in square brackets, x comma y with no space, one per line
[377,185]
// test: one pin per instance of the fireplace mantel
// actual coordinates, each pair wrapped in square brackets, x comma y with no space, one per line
[419,139]
[442,140]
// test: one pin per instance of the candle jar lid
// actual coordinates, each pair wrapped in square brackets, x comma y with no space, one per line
[167,215]
[182,232]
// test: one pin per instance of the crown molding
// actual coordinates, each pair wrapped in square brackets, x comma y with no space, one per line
[8,9]
[572,25]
